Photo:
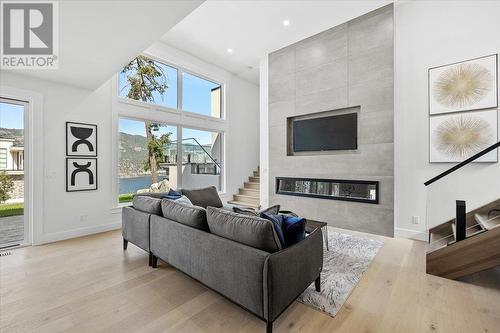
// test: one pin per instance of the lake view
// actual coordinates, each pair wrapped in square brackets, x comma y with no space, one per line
[132,184]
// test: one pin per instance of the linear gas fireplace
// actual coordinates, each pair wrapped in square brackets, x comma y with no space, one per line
[334,189]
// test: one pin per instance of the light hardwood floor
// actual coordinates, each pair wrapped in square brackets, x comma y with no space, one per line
[89,284]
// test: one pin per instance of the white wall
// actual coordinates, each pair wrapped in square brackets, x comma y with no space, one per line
[428,34]
[66,215]
[264,131]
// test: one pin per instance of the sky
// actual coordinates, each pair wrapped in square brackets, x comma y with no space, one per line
[196,92]
[197,97]
[11,116]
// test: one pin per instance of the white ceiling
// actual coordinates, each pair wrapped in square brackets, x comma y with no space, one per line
[96,38]
[254,28]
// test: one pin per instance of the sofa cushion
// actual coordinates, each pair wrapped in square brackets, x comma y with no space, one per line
[147,204]
[249,230]
[185,213]
[294,229]
[204,197]
[277,221]
[156,195]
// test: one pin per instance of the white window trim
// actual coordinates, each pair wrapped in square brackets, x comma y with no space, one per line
[143,111]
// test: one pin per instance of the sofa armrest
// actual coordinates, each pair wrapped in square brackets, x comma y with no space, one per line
[135,227]
[289,272]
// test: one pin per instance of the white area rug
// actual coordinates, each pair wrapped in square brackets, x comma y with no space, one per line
[343,266]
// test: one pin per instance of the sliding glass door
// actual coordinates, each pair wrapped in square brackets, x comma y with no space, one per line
[13,225]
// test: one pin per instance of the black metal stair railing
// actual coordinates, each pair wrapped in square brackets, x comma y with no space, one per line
[212,167]
[460,218]
[462,164]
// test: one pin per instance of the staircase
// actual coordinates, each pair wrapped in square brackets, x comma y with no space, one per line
[467,244]
[248,196]
[470,242]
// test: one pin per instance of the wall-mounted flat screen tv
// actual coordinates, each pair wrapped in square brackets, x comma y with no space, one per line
[336,132]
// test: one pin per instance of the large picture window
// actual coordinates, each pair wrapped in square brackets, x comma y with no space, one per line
[201,96]
[202,158]
[137,169]
[161,82]
[160,78]
[155,156]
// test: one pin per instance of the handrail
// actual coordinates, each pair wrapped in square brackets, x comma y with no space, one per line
[206,152]
[461,164]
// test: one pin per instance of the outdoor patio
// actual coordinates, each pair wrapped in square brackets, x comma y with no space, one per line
[11,229]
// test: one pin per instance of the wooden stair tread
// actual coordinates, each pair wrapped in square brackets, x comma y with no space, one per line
[243,204]
[246,198]
[250,189]
[250,192]
[251,185]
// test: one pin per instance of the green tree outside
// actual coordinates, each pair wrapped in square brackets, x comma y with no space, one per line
[145,77]
[6,186]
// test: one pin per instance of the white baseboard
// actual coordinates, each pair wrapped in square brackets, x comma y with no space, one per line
[412,234]
[59,236]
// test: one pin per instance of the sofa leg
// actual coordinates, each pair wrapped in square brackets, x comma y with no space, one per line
[269,327]
[154,261]
[317,284]
[125,244]
[150,259]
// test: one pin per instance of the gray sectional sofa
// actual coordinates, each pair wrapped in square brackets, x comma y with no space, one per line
[236,255]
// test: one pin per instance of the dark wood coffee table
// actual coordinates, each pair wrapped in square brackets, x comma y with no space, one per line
[312,225]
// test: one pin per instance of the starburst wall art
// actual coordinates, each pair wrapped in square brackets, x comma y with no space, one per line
[468,85]
[456,137]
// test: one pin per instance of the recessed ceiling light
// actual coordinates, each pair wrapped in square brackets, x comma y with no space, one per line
[286,23]
[229,50]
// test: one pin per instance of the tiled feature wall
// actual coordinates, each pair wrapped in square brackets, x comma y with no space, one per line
[348,65]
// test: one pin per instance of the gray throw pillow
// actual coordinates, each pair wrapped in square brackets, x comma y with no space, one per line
[183,199]
[249,230]
[185,213]
[204,197]
[147,204]
[245,211]
[273,210]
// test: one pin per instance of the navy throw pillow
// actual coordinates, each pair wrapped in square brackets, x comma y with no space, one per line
[277,221]
[172,195]
[294,229]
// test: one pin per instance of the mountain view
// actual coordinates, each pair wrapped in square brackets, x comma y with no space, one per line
[133,154]
[11,133]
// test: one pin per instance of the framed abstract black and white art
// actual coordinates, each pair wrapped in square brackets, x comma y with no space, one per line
[81,139]
[81,174]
